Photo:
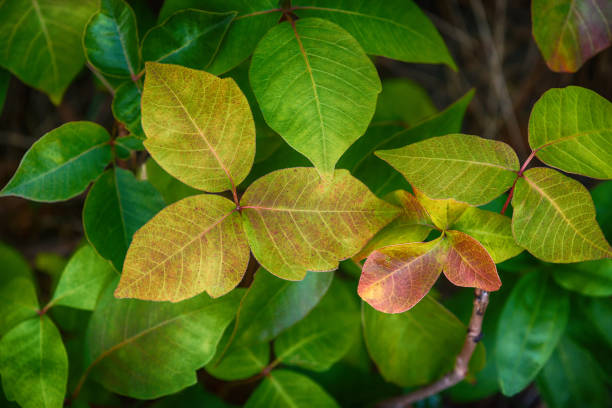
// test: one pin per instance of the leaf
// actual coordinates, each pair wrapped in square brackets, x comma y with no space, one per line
[241,362]
[18,299]
[296,222]
[413,225]
[195,396]
[170,188]
[126,145]
[591,278]
[403,31]
[42,42]
[325,335]
[284,388]
[407,347]
[82,280]
[111,40]
[602,198]
[571,129]
[315,87]
[194,245]
[125,337]
[61,163]
[5,80]
[34,364]
[117,205]
[463,167]
[554,218]
[443,213]
[530,326]
[189,38]
[397,277]
[209,146]
[126,107]
[404,102]
[493,231]
[569,32]
[572,378]
[271,305]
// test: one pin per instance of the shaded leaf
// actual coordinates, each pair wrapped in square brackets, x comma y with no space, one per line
[598,311]
[194,245]
[296,222]
[126,107]
[240,362]
[571,129]
[5,80]
[602,198]
[209,146]
[189,38]
[284,388]
[443,213]
[116,207]
[125,145]
[34,364]
[170,188]
[404,102]
[195,396]
[463,167]
[42,42]
[591,278]
[125,337]
[61,163]
[569,32]
[554,218]
[111,40]
[403,31]
[530,326]
[318,92]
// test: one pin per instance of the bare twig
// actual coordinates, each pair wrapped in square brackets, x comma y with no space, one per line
[481,300]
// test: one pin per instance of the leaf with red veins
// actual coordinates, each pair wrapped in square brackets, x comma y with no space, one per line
[468,264]
[397,277]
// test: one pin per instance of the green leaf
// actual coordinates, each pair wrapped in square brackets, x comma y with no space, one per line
[195,396]
[117,205]
[492,230]
[598,311]
[284,388]
[125,145]
[111,40]
[415,347]
[82,280]
[325,335]
[463,167]
[5,80]
[61,163]
[602,198]
[42,41]
[569,32]
[554,218]
[194,245]
[126,107]
[18,300]
[170,188]
[591,278]
[296,222]
[126,337]
[571,129]
[530,326]
[403,31]
[271,305]
[316,88]
[572,378]
[240,362]
[209,146]
[34,364]
[189,38]
[403,101]
[443,213]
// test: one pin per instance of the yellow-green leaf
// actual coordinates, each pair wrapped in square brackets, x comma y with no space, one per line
[199,127]
[443,213]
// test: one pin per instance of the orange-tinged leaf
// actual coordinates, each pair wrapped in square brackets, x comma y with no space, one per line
[194,245]
[467,263]
[397,277]
[199,127]
[297,222]
[443,213]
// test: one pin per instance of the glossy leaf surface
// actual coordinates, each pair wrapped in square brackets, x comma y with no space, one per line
[126,107]
[239,363]
[194,245]
[61,163]
[296,222]
[316,88]
[209,146]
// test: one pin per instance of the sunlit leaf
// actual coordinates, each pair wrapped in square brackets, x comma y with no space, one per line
[42,41]
[554,218]
[531,324]
[316,88]
[126,107]
[591,278]
[194,245]
[170,188]
[296,222]
[209,146]
[569,32]
[463,167]
[443,213]
[571,129]
[61,163]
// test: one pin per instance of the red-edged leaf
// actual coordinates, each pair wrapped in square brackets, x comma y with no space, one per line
[397,277]
[468,263]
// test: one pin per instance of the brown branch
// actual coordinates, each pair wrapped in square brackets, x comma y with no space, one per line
[481,300]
